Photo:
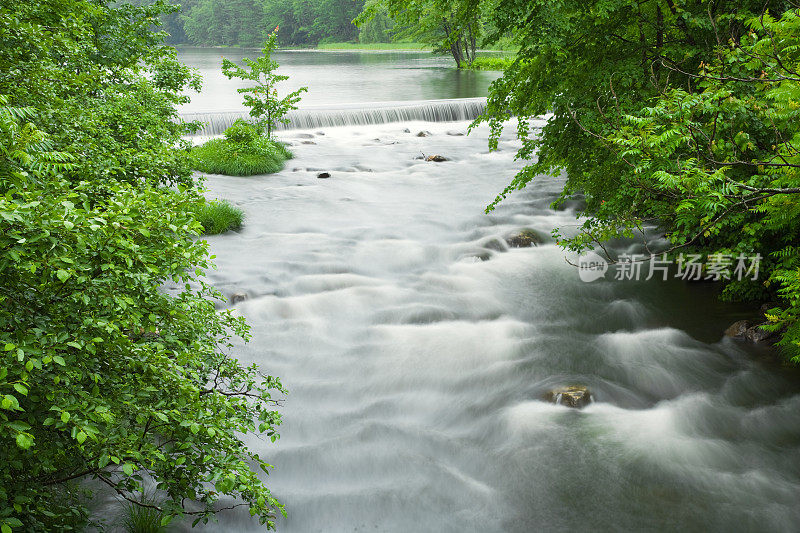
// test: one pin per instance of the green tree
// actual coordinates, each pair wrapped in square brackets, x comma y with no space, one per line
[262,98]
[677,114]
[103,374]
[451,27]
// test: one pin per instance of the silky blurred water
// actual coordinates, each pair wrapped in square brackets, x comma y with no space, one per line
[417,347]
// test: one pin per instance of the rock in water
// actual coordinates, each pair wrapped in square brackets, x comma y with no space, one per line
[756,334]
[436,158]
[238,297]
[453,133]
[524,239]
[737,329]
[575,396]
[324,175]
[424,133]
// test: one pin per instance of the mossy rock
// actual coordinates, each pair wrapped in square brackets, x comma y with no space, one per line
[524,239]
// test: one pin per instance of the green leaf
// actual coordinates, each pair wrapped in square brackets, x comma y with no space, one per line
[127,468]
[62,275]
[24,440]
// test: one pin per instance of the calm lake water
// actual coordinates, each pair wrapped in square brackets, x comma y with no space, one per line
[334,77]
[417,346]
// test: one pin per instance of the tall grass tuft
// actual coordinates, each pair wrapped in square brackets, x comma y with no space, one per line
[138,519]
[223,156]
[218,216]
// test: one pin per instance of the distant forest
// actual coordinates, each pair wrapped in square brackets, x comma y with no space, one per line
[247,22]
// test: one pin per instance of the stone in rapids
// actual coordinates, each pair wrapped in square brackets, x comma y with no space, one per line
[238,297]
[575,396]
[524,239]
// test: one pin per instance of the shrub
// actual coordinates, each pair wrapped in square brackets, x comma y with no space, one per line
[491,63]
[218,216]
[242,133]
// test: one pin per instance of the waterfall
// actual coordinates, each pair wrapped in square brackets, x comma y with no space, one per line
[457,109]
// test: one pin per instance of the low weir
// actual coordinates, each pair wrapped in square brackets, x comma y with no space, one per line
[457,109]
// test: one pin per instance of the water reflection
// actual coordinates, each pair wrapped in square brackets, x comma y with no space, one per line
[339,77]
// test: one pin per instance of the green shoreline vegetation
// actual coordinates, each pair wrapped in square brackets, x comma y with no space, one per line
[105,376]
[410,46]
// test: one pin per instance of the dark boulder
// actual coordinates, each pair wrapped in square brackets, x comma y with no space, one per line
[436,158]
[324,175]
[238,297]
[424,133]
[737,329]
[757,335]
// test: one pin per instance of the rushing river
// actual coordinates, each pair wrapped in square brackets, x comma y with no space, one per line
[417,348]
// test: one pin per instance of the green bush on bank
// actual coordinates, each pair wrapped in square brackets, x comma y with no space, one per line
[218,216]
[244,151]
[490,63]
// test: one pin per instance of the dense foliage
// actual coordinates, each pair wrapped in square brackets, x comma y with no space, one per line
[105,376]
[248,22]
[678,114]
[451,27]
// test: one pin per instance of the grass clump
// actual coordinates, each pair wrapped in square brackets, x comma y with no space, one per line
[141,518]
[244,151]
[218,216]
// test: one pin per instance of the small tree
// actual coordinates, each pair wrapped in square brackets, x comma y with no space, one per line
[262,99]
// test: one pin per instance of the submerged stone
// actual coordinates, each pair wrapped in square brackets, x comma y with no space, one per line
[238,297]
[323,175]
[424,133]
[574,396]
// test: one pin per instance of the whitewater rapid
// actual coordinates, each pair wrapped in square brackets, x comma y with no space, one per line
[417,347]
